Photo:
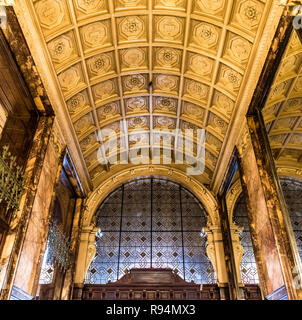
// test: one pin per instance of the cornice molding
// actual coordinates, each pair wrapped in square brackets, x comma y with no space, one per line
[199,190]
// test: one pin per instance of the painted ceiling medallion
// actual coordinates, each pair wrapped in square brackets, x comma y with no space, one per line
[83,124]
[223,103]
[196,89]
[132,27]
[50,12]
[89,6]
[94,34]
[108,111]
[167,57]
[61,48]
[133,57]
[200,65]
[250,12]
[137,104]
[69,78]
[105,90]
[240,49]
[166,83]
[205,35]
[135,82]
[211,5]
[169,27]
[100,64]
[138,123]
[230,78]
[165,105]
[75,103]
[193,110]
[164,122]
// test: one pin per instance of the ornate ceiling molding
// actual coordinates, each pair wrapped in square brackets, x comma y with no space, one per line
[117,179]
[264,40]
[163,64]
[283,110]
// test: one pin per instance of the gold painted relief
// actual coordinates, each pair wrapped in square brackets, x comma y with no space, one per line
[170,64]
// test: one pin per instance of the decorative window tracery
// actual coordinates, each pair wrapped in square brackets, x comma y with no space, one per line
[150,223]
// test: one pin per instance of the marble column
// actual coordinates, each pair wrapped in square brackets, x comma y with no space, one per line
[30,259]
[86,253]
[59,154]
[270,237]
[19,226]
[74,242]
[216,254]
[231,252]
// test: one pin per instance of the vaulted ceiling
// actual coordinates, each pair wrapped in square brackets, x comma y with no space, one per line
[283,110]
[161,64]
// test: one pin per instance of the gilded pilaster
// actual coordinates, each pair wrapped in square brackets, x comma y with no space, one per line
[86,253]
[215,252]
[74,242]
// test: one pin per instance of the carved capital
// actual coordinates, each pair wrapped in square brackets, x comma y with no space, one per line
[56,140]
[244,142]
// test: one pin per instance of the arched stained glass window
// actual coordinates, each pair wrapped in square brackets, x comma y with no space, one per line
[248,267]
[150,223]
[292,191]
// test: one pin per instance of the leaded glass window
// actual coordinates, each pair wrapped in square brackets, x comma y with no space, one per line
[47,270]
[292,191]
[248,267]
[150,223]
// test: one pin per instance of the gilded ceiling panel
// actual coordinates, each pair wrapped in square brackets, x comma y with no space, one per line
[157,65]
[283,111]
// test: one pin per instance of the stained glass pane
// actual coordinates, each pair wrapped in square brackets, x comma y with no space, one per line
[150,223]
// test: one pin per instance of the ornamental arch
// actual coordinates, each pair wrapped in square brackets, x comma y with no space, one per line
[150,222]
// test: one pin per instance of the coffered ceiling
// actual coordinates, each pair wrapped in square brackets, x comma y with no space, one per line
[283,110]
[161,64]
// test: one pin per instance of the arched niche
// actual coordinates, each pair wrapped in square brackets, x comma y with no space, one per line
[117,179]
[151,222]
[87,248]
